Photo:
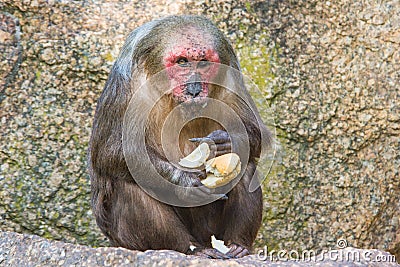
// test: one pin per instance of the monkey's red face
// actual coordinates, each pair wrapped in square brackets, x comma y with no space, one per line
[189,63]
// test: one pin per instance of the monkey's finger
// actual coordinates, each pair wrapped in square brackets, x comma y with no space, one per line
[201,175]
[221,140]
[196,139]
[237,251]
[206,194]
[219,136]
[202,139]
[204,189]
[244,252]
[206,140]
[193,177]
[224,146]
[192,194]
[213,254]
[211,191]
[222,152]
[201,191]
[219,255]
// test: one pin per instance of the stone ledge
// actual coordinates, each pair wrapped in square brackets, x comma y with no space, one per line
[30,250]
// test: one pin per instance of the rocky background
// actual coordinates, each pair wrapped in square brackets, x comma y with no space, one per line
[330,71]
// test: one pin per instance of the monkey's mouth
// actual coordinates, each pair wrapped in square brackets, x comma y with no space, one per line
[196,100]
[192,93]
[185,99]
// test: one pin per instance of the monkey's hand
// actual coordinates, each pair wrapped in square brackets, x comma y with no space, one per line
[219,142]
[190,186]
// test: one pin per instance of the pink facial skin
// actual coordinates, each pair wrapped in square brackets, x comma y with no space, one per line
[199,56]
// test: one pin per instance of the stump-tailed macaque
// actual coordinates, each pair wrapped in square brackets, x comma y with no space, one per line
[191,53]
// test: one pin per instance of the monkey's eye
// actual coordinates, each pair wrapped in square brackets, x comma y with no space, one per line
[182,61]
[203,63]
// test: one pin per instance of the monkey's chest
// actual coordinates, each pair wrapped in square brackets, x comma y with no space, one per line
[200,127]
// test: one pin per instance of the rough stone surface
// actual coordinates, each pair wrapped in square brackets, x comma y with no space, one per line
[29,250]
[329,70]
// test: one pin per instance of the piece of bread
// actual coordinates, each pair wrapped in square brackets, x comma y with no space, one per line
[219,245]
[221,170]
[197,158]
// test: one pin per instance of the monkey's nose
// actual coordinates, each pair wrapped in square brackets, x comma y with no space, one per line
[194,88]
